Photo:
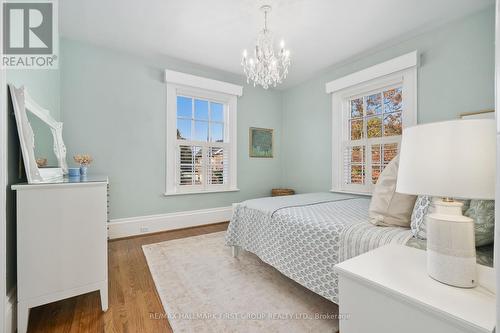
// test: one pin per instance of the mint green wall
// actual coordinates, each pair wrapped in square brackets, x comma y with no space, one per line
[456,75]
[114,108]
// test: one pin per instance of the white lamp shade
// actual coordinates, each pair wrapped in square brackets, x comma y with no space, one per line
[453,159]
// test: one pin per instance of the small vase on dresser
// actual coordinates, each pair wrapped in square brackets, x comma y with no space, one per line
[61,242]
[83,170]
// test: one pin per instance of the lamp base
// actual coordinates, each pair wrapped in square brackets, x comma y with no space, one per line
[452,270]
[451,250]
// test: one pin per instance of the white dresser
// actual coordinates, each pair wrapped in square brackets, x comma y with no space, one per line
[61,242]
[388,290]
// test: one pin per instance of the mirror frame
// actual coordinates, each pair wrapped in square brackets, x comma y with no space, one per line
[22,103]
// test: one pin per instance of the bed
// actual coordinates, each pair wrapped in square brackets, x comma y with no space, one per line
[304,236]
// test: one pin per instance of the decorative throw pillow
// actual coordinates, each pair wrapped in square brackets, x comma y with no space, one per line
[387,207]
[483,214]
[423,207]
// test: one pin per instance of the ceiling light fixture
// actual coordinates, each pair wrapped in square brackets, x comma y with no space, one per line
[266,68]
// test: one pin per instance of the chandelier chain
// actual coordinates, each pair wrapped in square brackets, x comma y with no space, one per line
[265,20]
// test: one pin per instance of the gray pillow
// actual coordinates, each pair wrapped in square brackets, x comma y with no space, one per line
[483,214]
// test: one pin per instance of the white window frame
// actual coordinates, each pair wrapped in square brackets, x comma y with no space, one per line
[401,71]
[181,84]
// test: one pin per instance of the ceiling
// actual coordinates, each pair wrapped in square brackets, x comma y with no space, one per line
[319,33]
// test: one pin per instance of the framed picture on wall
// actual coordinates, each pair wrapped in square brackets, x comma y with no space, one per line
[261,142]
[488,114]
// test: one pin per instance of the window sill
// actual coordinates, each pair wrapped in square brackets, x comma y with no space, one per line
[351,192]
[200,192]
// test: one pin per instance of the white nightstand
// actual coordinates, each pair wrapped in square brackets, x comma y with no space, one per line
[388,290]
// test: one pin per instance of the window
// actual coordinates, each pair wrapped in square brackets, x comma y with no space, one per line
[202,152]
[375,127]
[368,120]
[201,136]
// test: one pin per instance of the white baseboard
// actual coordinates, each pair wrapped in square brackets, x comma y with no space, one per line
[132,226]
[11,311]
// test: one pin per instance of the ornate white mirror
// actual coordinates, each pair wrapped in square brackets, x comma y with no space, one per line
[38,168]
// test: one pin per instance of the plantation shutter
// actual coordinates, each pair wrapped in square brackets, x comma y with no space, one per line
[202,165]
[374,123]
[202,151]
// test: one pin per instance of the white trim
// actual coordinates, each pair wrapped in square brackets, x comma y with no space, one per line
[351,192]
[230,137]
[125,227]
[10,311]
[201,192]
[170,148]
[388,67]
[203,83]
[406,77]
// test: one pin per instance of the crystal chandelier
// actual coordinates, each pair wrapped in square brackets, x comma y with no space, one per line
[267,68]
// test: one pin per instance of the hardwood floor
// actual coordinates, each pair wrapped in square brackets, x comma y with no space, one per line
[132,293]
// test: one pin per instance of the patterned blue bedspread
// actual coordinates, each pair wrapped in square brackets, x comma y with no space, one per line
[305,236]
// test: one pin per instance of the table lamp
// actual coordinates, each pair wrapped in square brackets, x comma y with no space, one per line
[447,160]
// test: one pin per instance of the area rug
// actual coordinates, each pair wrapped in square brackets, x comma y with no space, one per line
[204,289]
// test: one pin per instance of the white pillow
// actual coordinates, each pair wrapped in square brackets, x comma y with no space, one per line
[389,208]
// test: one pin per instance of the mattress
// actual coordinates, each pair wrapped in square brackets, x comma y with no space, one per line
[305,236]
